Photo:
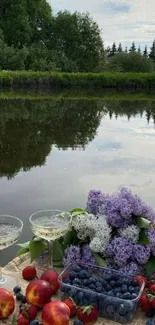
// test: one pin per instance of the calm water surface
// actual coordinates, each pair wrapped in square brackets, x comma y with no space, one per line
[53,152]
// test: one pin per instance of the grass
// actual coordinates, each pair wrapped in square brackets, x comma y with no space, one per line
[47,80]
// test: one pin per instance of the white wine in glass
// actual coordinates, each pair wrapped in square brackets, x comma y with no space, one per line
[10,231]
[50,225]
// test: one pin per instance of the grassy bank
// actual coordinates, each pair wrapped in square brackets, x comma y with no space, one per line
[46,80]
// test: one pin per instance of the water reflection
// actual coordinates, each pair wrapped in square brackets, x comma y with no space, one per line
[29,129]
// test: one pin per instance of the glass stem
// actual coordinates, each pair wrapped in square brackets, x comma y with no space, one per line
[1,278]
[50,253]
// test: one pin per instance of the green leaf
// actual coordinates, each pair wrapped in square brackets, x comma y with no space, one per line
[70,238]
[36,248]
[58,251]
[24,245]
[75,212]
[57,264]
[143,239]
[143,222]
[14,319]
[22,251]
[100,261]
[150,266]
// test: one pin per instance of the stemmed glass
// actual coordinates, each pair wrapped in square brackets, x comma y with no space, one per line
[50,225]
[10,231]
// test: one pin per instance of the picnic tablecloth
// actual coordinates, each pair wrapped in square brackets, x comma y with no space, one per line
[16,266]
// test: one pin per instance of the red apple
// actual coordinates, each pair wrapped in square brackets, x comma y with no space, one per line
[52,278]
[56,313]
[7,303]
[38,293]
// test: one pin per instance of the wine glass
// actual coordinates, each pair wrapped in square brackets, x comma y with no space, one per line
[10,231]
[50,225]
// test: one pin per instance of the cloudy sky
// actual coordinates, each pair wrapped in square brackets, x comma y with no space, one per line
[120,20]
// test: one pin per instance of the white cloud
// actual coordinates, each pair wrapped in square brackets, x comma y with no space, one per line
[120,20]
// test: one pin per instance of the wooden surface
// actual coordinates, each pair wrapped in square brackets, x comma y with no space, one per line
[16,266]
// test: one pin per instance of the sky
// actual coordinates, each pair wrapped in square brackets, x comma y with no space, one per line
[120,21]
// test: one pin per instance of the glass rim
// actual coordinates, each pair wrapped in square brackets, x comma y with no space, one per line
[16,218]
[47,210]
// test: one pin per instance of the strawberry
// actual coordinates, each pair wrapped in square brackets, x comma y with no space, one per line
[72,306]
[22,320]
[88,314]
[29,273]
[145,303]
[140,279]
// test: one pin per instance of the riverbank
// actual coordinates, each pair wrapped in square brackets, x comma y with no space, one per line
[55,80]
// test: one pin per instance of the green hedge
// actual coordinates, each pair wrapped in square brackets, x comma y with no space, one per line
[25,79]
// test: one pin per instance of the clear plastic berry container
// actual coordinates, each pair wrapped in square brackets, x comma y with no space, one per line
[116,296]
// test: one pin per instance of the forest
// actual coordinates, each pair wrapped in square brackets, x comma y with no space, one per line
[32,38]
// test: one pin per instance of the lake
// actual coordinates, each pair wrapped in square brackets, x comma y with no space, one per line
[52,152]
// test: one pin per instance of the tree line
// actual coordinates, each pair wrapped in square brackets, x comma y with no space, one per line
[33,38]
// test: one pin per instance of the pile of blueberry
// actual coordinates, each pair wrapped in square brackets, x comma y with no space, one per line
[114,295]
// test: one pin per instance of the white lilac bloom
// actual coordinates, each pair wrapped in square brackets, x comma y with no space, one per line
[94,228]
[85,225]
[131,233]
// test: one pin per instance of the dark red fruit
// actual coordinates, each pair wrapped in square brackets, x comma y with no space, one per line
[72,306]
[29,273]
[145,303]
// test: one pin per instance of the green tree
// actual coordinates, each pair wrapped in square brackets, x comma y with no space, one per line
[130,62]
[152,51]
[77,41]
[24,21]
[133,47]
[145,52]
[113,49]
[120,50]
[139,49]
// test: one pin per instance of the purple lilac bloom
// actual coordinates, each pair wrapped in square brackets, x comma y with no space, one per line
[120,249]
[151,235]
[94,202]
[152,247]
[141,253]
[72,254]
[86,256]
[131,269]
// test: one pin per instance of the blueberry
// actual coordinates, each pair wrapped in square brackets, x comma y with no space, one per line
[73,293]
[127,295]
[67,281]
[23,300]
[65,288]
[133,295]
[19,296]
[34,322]
[124,288]
[77,322]
[150,314]
[129,305]
[76,268]
[107,287]
[92,286]
[131,289]
[110,293]
[83,274]
[76,281]
[110,309]
[116,290]
[85,282]
[150,322]
[72,275]
[92,280]
[98,284]
[17,289]
[119,295]
[99,289]
[113,283]
[122,310]
[80,297]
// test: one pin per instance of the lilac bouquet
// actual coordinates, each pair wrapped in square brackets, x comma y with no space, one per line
[116,230]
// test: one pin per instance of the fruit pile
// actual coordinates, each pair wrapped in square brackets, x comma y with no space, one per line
[147,299]
[115,296]
[38,297]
